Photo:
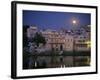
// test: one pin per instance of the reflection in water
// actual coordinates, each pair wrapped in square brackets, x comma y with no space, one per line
[57,61]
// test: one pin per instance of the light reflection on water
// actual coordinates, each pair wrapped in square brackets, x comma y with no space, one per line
[57,61]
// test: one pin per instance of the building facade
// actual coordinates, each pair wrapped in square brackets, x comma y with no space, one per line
[31,31]
[82,42]
[59,40]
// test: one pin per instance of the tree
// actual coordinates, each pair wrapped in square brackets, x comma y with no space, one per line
[38,39]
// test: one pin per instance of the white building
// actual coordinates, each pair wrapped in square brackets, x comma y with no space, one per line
[69,42]
[31,31]
[82,43]
[57,40]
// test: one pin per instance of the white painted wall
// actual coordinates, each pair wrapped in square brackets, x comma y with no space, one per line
[5,40]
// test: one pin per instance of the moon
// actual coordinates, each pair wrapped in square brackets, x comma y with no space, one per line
[74,21]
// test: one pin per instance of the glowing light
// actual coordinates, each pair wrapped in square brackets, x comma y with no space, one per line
[74,21]
[88,44]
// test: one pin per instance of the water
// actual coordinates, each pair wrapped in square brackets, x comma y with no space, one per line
[57,61]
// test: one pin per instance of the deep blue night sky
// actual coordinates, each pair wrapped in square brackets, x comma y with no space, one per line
[55,20]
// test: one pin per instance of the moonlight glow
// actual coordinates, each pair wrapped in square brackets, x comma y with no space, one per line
[74,22]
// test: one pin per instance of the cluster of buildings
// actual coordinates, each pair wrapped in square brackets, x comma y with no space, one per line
[78,40]
[62,40]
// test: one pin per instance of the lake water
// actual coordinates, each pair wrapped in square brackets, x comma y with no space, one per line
[35,62]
